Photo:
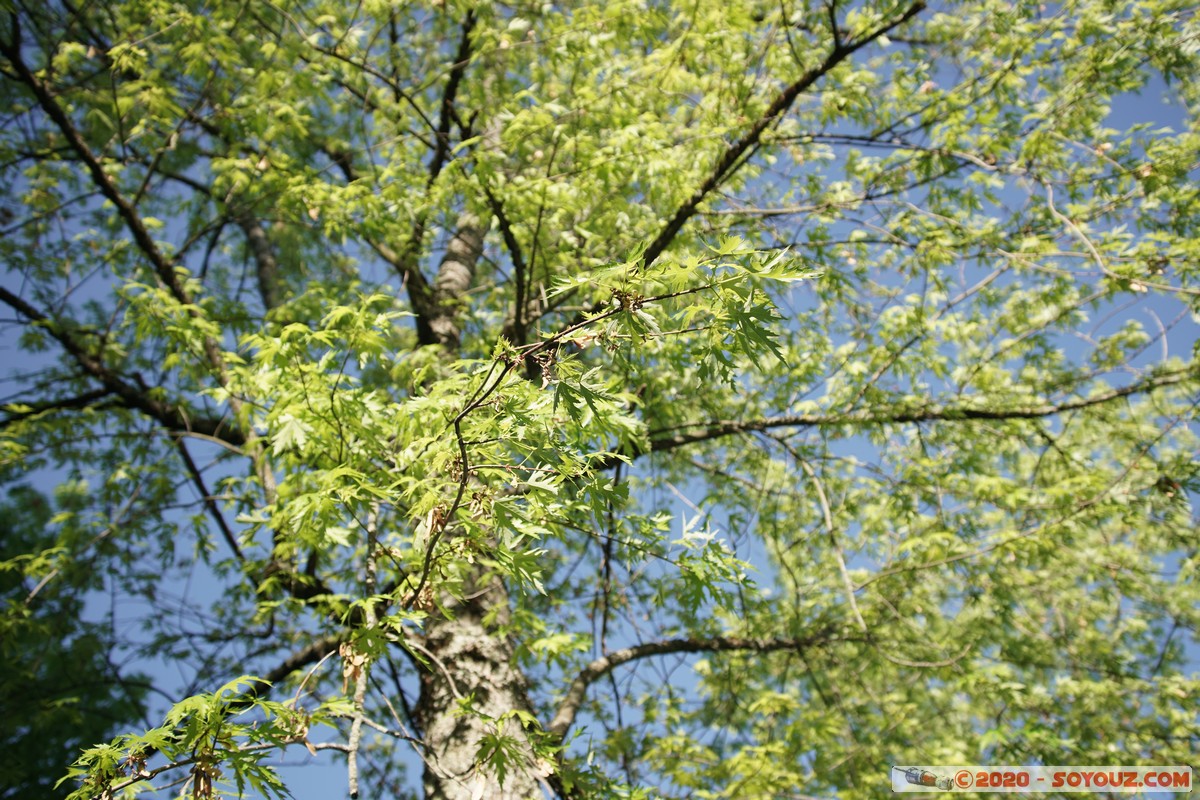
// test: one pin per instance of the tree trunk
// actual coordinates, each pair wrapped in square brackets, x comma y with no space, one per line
[471,660]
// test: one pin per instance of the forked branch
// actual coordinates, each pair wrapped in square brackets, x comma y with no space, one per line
[735,153]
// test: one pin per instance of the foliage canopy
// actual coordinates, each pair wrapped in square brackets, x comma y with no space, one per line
[608,398]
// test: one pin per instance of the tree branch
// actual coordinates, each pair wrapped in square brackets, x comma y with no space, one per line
[732,158]
[564,717]
[174,418]
[362,670]
[164,267]
[310,654]
[516,330]
[50,406]
[900,415]
[206,497]
[425,299]
[133,221]
[404,261]
[461,59]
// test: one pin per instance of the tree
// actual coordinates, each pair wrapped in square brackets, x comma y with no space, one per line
[707,399]
[59,689]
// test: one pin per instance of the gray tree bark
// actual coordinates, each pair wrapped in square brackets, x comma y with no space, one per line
[471,662]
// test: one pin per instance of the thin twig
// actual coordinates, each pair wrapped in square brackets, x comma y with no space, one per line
[360,682]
